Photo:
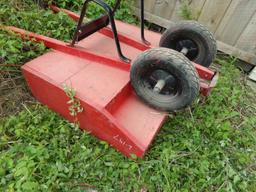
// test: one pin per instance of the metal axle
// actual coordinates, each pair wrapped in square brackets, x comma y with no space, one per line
[184,51]
[159,85]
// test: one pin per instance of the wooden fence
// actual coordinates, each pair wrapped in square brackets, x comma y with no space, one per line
[232,21]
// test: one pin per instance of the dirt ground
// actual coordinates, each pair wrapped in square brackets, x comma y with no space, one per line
[14,94]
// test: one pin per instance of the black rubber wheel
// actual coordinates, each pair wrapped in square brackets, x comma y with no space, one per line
[180,76]
[199,41]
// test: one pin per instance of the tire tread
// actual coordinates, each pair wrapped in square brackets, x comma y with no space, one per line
[184,64]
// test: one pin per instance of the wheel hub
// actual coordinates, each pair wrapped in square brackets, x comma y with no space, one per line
[192,48]
[162,82]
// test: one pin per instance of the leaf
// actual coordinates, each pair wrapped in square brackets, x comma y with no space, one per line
[30,186]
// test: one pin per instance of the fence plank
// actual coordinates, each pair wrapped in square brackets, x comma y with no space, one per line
[164,8]
[153,18]
[247,40]
[213,12]
[176,14]
[195,6]
[239,53]
[235,20]
[149,5]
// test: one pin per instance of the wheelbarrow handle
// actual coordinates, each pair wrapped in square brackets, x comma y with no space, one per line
[142,22]
[83,31]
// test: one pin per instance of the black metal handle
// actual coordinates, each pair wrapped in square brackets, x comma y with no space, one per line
[142,18]
[90,28]
[94,25]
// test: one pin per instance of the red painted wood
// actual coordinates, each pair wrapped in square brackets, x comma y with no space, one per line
[126,35]
[66,48]
[112,111]
[206,87]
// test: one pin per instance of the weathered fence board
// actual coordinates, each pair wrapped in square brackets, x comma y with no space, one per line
[235,20]
[232,21]
[149,5]
[247,40]
[164,8]
[213,12]
[176,12]
[196,8]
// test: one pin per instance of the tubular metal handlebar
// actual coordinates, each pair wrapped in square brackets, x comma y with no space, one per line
[83,31]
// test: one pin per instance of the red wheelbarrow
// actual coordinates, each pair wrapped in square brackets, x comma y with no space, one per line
[124,104]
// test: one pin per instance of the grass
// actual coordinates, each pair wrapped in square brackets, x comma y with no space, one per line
[211,147]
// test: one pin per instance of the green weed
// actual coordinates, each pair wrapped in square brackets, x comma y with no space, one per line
[74,104]
[186,12]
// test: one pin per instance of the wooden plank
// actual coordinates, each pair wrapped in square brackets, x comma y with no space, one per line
[213,12]
[164,8]
[243,55]
[195,6]
[148,6]
[235,20]
[153,18]
[247,40]
[252,75]
[252,84]
[176,15]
